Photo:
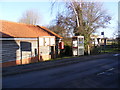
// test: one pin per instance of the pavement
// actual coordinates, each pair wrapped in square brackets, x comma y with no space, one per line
[7,71]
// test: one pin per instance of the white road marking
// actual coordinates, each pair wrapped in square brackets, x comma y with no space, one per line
[105,72]
[110,69]
[100,73]
[116,54]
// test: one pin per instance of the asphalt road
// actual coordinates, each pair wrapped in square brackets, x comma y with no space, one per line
[99,73]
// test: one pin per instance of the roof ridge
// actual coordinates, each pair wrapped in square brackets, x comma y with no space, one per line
[18,23]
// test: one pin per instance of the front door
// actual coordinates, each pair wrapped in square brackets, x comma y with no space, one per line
[52,52]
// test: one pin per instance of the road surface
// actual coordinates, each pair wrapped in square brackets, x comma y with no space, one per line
[99,73]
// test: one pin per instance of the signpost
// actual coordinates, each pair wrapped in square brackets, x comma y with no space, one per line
[102,33]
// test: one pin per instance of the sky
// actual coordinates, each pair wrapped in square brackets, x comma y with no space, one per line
[112,10]
[12,11]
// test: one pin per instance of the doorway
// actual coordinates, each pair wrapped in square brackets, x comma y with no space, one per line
[52,52]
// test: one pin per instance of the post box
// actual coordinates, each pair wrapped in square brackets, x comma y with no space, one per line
[61,45]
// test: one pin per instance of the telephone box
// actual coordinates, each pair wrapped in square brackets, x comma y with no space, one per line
[78,45]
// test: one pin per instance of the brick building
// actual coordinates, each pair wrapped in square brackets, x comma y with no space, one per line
[24,44]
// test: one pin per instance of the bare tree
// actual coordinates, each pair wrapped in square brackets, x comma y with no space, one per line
[62,25]
[88,17]
[91,16]
[30,17]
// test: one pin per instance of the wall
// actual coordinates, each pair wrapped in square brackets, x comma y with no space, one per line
[9,49]
[17,51]
[46,46]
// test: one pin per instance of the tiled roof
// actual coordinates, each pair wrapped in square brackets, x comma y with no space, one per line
[19,30]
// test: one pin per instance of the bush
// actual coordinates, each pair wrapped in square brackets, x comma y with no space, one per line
[67,51]
[96,50]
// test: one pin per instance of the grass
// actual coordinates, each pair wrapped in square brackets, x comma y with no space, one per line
[66,57]
[107,50]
